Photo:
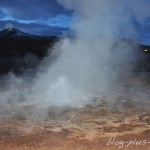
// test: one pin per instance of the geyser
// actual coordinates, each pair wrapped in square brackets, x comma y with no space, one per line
[85,65]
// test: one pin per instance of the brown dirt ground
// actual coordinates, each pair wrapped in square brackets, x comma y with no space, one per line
[87,128]
[78,130]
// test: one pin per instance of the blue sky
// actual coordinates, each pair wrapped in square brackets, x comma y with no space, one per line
[145,32]
[40,17]
[47,17]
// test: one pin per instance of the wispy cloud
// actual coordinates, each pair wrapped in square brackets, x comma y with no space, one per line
[57,21]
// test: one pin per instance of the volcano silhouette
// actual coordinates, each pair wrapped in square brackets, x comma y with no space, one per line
[13,33]
[20,50]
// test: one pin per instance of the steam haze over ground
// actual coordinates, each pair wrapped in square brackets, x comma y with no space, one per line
[85,65]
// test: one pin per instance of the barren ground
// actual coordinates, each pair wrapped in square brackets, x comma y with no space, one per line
[87,128]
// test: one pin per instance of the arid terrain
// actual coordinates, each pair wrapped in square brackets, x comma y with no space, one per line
[96,126]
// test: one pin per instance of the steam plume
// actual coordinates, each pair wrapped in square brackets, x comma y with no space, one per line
[87,64]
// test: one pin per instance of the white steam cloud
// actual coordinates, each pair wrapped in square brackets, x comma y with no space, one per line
[85,65]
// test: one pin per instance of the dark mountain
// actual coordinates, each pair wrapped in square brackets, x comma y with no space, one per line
[21,51]
[13,33]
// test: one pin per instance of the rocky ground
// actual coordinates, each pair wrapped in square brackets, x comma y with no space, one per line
[84,129]
[98,125]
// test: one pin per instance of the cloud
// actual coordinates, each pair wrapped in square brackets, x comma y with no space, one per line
[36,29]
[57,21]
[1,14]
[36,12]
[32,9]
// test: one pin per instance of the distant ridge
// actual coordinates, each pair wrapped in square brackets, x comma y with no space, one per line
[15,33]
[20,51]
